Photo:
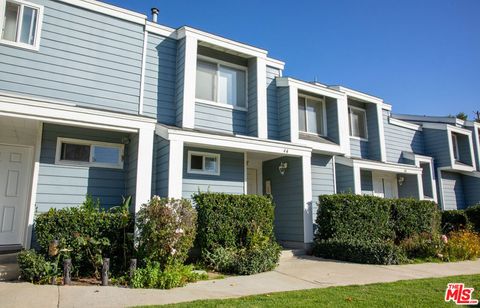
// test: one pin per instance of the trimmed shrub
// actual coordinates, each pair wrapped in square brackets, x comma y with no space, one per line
[167,229]
[157,276]
[422,246]
[473,214]
[348,216]
[35,268]
[411,217]
[360,251]
[462,245]
[235,232]
[87,234]
[454,220]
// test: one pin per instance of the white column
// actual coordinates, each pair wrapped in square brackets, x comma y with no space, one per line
[307,199]
[381,133]
[293,97]
[144,166]
[420,186]
[175,169]
[343,126]
[262,115]
[357,180]
[189,80]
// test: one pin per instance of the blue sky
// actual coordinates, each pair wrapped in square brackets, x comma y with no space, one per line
[421,56]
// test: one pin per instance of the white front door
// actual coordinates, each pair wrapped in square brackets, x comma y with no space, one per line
[252,181]
[15,168]
[385,185]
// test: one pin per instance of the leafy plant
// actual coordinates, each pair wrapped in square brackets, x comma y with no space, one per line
[35,268]
[423,245]
[473,214]
[462,245]
[154,275]
[454,220]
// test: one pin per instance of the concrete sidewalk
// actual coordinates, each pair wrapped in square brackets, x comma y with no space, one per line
[294,273]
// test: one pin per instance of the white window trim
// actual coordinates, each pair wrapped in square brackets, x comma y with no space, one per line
[456,150]
[228,65]
[36,44]
[203,154]
[324,115]
[92,144]
[364,111]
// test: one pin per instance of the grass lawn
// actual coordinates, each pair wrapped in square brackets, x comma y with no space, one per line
[407,293]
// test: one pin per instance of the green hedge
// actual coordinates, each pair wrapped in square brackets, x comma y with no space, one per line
[454,220]
[411,217]
[235,232]
[473,214]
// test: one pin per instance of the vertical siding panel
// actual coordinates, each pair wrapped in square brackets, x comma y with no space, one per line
[272,103]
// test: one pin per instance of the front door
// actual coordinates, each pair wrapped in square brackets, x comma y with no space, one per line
[385,185]
[15,164]
[252,181]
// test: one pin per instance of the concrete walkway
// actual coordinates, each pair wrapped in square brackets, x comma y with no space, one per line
[294,273]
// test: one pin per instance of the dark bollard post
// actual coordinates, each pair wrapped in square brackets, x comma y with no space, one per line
[67,266]
[133,267]
[105,268]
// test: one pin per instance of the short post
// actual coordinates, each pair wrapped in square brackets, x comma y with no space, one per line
[67,267]
[133,268]
[105,268]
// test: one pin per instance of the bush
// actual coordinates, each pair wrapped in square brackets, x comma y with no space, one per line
[412,217]
[35,268]
[462,245]
[166,229]
[473,214]
[454,220]
[157,276]
[422,246]
[87,234]
[235,232]
[346,216]
[359,251]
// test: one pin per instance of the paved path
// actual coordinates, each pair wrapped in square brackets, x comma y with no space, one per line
[294,273]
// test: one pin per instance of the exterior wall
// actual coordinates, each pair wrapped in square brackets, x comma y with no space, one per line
[366,181]
[272,103]
[471,185]
[452,190]
[345,181]
[179,81]
[220,119]
[409,188]
[374,145]
[323,179]
[252,113]
[131,160]
[287,192]
[161,152]
[332,120]
[400,139]
[436,145]
[231,178]
[93,58]
[283,100]
[359,148]
[160,75]
[62,185]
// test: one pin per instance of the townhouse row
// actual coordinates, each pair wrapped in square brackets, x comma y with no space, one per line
[97,100]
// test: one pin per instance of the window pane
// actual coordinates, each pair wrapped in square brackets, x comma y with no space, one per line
[210,164]
[227,86]
[455,147]
[357,123]
[301,115]
[196,162]
[29,24]
[75,152]
[10,23]
[205,88]
[314,117]
[109,155]
[241,89]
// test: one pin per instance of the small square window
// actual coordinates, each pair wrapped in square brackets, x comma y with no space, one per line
[203,163]
[105,154]
[75,152]
[21,23]
[196,162]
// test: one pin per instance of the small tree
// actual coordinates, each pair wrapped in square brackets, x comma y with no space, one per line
[462,116]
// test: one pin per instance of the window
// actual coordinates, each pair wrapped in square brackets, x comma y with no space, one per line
[21,23]
[89,153]
[221,84]
[358,122]
[203,163]
[311,115]
[456,154]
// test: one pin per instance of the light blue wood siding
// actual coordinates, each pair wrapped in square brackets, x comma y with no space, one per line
[160,76]
[220,119]
[85,58]
[272,103]
[62,185]
[409,189]
[436,146]
[230,180]
[332,120]
[366,181]
[160,167]
[179,84]
[374,146]
[358,148]
[400,139]
[283,99]
[323,182]
[131,159]
[252,114]
[471,188]
[345,180]
[287,192]
[452,189]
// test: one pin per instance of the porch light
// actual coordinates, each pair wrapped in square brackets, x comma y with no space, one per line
[401,180]
[282,167]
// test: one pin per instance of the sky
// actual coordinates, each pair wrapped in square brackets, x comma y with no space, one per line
[422,56]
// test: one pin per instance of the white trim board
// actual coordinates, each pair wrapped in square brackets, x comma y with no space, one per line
[404,124]
[379,166]
[359,95]
[308,87]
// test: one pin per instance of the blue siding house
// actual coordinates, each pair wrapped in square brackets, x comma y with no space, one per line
[98,100]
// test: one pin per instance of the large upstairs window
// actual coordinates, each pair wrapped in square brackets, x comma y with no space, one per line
[20,22]
[221,83]
[311,115]
[358,122]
